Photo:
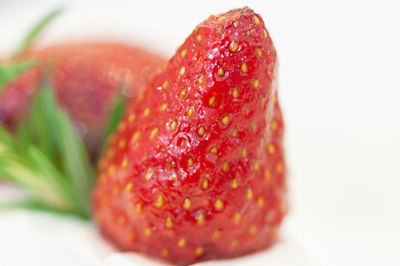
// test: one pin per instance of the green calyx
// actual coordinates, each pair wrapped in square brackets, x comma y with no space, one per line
[48,158]
[12,69]
[38,28]
[9,71]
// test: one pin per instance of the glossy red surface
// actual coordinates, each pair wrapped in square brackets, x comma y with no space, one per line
[196,169]
[87,78]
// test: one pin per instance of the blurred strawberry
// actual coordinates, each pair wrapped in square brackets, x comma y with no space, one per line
[196,169]
[88,78]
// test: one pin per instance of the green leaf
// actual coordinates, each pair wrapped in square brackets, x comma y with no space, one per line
[33,205]
[36,30]
[29,171]
[6,141]
[116,114]
[8,72]
[53,177]
[48,158]
[52,131]
[75,160]
[115,117]
[40,127]
[25,204]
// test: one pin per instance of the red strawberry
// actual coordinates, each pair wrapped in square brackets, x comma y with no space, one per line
[87,78]
[196,170]
[15,96]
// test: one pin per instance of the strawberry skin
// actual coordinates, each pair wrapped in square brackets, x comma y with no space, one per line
[196,170]
[16,96]
[87,77]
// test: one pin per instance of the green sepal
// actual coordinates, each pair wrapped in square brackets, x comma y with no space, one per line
[9,71]
[75,162]
[48,158]
[32,35]
[31,170]
[116,114]
[33,205]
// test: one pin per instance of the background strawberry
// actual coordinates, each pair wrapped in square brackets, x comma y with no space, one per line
[88,78]
[46,155]
[196,169]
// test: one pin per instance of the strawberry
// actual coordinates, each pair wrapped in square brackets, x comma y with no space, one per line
[87,78]
[15,95]
[196,170]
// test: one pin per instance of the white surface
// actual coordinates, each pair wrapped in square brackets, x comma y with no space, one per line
[340,91]
[43,239]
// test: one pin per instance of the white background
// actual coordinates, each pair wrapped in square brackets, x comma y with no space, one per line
[339,90]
